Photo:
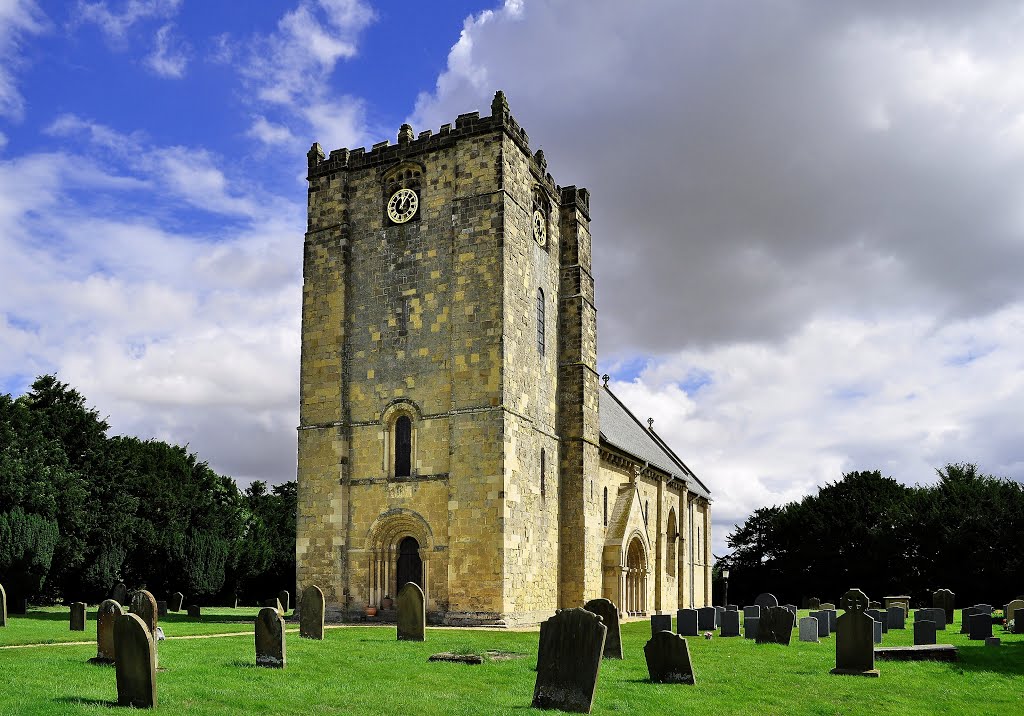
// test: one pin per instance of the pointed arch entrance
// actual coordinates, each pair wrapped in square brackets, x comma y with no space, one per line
[635,578]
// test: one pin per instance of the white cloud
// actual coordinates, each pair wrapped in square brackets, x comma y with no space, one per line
[169,58]
[116,24]
[3,140]
[270,133]
[17,19]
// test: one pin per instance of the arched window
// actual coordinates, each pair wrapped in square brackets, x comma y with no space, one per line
[543,455]
[540,321]
[403,446]
[670,544]
[606,507]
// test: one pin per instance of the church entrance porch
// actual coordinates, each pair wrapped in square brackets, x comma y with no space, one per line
[635,579]
[399,545]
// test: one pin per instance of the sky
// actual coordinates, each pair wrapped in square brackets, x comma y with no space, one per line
[808,217]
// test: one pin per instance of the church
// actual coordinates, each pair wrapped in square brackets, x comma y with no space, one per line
[454,430]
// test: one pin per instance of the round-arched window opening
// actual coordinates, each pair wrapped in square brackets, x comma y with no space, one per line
[403,446]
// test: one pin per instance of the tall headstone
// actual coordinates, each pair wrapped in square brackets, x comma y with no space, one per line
[855,644]
[1009,613]
[814,603]
[609,614]
[270,641]
[792,610]
[136,662]
[144,604]
[809,629]
[751,612]
[980,627]
[823,625]
[707,619]
[730,624]
[881,617]
[924,632]
[668,659]
[568,660]
[877,630]
[687,622]
[765,600]
[751,627]
[932,614]
[412,618]
[275,603]
[176,602]
[78,616]
[106,617]
[945,600]
[965,619]
[1018,620]
[720,611]
[311,613]
[833,615]
[776,626]
[3,606]
[660,622]
[286,599]
[119,593]
[897,617]
[161,609]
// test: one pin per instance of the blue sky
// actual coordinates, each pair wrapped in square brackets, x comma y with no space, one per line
[808,234]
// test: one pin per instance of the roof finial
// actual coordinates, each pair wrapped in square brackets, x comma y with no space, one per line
[650,423]
[605,378]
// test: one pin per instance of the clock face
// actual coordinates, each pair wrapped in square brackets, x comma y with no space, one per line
[402,205]
[540,228]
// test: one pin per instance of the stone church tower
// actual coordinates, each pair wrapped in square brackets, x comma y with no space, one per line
[449,401]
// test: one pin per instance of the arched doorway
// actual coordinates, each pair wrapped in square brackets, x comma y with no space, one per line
[410,566]
[636,578]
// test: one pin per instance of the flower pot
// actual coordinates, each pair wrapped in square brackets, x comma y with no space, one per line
[371,611]
[387,603]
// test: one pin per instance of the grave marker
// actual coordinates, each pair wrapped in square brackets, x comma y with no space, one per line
[980,626]
[751,626]
[823,625]
[661,622]
[136,662]
[765,600]
[568,660]
[776,626]
[814,603]
[194,612]
[687,621]
[707,619]
[78,616]
[730,624]
[285,598]
[881,617]
[855,647]
[161,609]
[106,617]
[144,604]
[119,593]
[809,629]
[829,607]
[270,640]
[752,612]
[732,607]
[896,617]
[924,632]
[412,618]
[177,600]
[668,659]
[1009,613]
[945,600]
[609,614]
[311,613]
[3,606]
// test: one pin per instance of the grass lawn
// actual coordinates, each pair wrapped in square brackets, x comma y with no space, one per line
[364,670]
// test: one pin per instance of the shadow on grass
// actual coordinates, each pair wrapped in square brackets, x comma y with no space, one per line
[80,701]
[48,616]
[1008,658]
[172,618]
[238,663]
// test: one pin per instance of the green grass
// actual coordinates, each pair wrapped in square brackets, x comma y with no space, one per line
[364,670]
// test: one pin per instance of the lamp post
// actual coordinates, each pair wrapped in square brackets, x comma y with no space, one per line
[725,587]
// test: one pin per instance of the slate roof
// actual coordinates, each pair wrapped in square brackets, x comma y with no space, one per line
[621,429]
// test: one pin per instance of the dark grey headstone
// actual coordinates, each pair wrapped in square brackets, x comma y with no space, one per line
[707,619]
[3,606]
[833,617]
[161,609]
[1018,621]
[609,614]
[751,612]
[924,632]
[270,641]
[687,622]
[751,626]
[412,617]
[194,612]
[119,593]
[791,608]
[176,602]
[932,614]
[987,608]
[144,604]
[829,607]
[732,607]
[765,600]
[731,624]
[877,631]
[78,616]
[136,662]
[568,659]
[286,599]
[896,617]
[106,617]
[965,619]
[776,626]
[274,603]
[311,613]
[855,643]
[814,603]
[993,641]
[945,600]
[809,629]
[1010,614]
[980,627]
[880,616]
[823,625]
[668,659]
[660,622]
[718,620]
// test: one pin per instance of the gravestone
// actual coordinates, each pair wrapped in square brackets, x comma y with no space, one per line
[877,631]
[285,598]
[177,600]
[897,617]
[897,601]
[732,607]
[718,620]
[660,622]
[980,627]
[945,600]
[194,612]
[144,604]
[823,626]
[1018,621]
[568,660]
[881,617]
[765,600]
[270,641]
[776,626]
[161,609]
[1009,613]
[993,641]
[687,622]
[119,593]
[135,663]
[855,647]
[311,613]
[78,616]
[668,659]
[707,619]
[751,612]
[809,629]
[986,608]
[609,614]
[274,603]
[791,608]
[932,614]
[3,606]
[17,605]
[924,632]
[814,603]
[412,618]
[730,624]
[751,626]
[833,615]
[106,616]
[828,606]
